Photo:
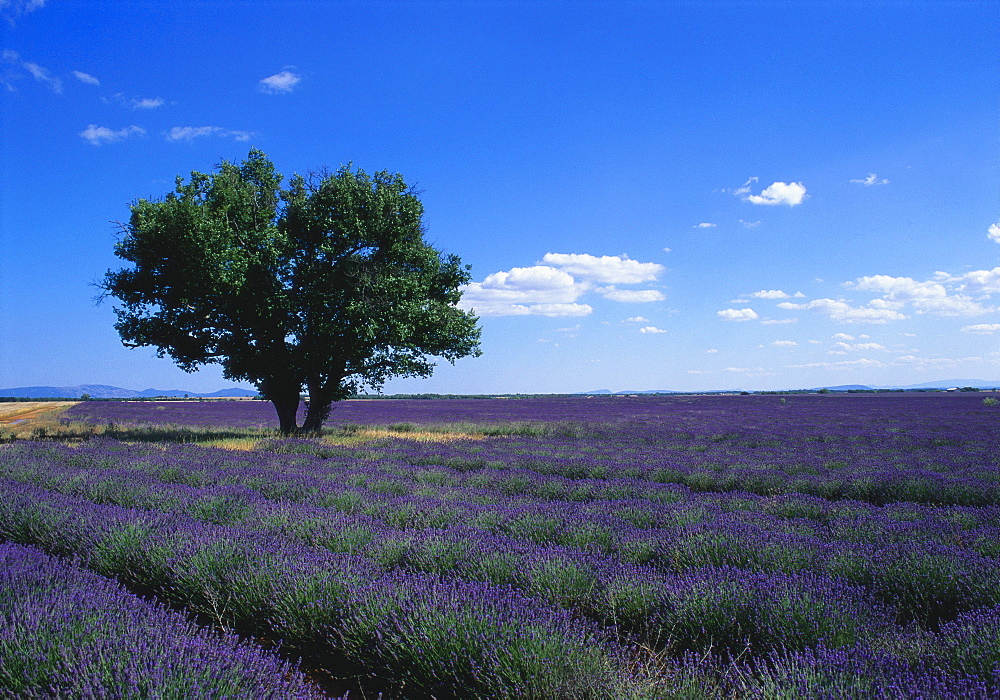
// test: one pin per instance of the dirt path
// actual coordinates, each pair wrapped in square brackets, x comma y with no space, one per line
[18,411]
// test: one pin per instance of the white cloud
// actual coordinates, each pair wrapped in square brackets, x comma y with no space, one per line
[843,364]
[872,179]
[523,291]
[842,336]
[535,278]
[189,133]
[554,287]
[784,344]
[994,232]
[933,362]
[712,351]
[279,82]
[745,187]
[557,310]
[778,321]
[651,329]
[607,269]
[636,319]
[148,103]
[737,314]
[982,328]
[931,296]
[36,71]
[974,282]
[97,135]
[86,78]
[790,193]
[750,224]
[15,8]
[839,310]
[704,224]
[842,348]
[666,250]
[634,296]
[770,294]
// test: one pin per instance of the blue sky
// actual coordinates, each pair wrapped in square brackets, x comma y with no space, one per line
[652,195]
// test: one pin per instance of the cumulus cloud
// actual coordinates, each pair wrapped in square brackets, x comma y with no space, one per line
[789,193]
[634,296]
[189,133]
[86,78]
[651,329]
[279,82]
[770,294]
[554,286]
[983,282]
[932,297]
[840,310]
[737,314]
[982,328]
[704,224]
[98,135]
[522,291]
[607,269]
[872,179]
[636,319]
[994,232]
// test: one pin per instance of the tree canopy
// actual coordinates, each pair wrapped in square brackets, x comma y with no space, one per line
[326,284]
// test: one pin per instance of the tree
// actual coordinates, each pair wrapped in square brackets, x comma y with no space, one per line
[326,284]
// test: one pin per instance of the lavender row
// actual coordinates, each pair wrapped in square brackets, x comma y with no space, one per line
[308,478]
[451,638]
[632,596]
[831,414]
[67,632]
[922,580]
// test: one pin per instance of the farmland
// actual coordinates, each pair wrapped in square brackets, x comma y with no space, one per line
[823,546]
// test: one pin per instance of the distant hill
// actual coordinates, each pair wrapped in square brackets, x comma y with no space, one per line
[103,391]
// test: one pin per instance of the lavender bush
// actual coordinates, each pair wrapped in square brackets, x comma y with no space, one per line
[724,546]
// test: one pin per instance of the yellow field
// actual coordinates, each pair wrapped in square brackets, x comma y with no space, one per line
[25,411]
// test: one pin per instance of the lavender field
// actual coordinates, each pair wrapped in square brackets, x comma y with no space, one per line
[808,546]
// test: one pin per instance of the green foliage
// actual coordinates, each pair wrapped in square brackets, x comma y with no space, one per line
[325,284]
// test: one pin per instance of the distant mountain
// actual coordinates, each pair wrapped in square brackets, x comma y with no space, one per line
[103,391]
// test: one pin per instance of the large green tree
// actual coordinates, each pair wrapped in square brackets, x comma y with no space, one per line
[326,284]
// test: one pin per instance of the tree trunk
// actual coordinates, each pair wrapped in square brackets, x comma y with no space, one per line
[318,411]
[285,398]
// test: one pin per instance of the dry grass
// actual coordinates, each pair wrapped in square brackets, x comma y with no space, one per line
[31,419]
[14,412]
